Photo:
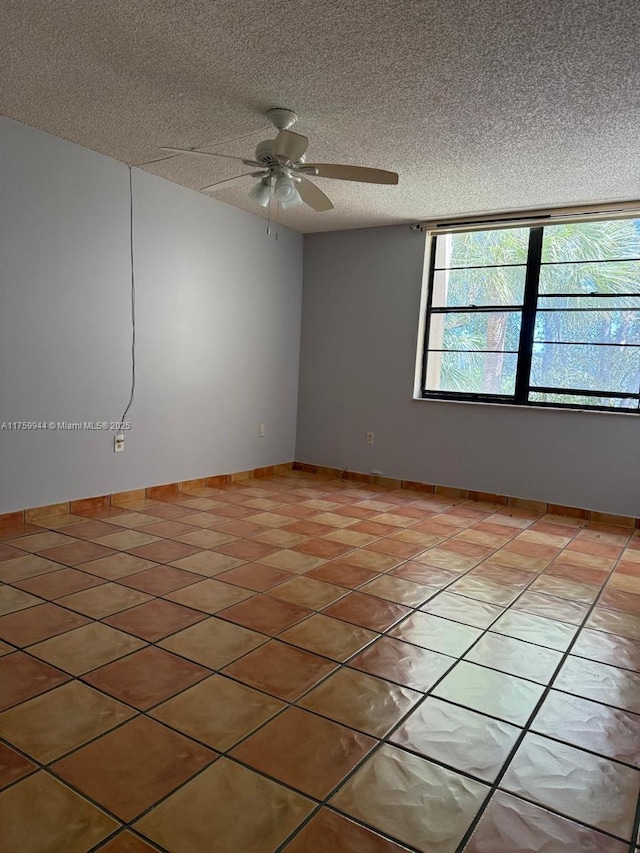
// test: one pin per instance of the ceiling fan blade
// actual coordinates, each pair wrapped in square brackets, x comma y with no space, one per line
[289,146]
[171,150]
[229,182]
[353,173]
[313,195]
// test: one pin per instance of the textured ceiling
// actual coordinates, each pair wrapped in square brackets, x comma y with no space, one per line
[480,105]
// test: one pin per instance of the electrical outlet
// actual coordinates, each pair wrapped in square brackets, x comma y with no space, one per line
[118,443]
[260,430]
[370,437]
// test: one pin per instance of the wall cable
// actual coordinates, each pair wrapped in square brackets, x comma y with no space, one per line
[133,300]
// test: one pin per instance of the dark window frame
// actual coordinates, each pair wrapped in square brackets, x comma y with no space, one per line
[528,310]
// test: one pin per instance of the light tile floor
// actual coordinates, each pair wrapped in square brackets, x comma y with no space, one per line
[303,665]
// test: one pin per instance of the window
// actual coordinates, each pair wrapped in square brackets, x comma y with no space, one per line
[541,316]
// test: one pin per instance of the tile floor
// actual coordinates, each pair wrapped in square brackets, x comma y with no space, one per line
[304,665]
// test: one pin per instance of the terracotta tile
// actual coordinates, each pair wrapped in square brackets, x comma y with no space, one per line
[590,725]
[600,549]
[65,820]
[308,592]
[146,677]
[361,701]
[169,511]
[330,831]
[41,541]
[468,611]
[329,637]
[485,590]
[309,528]
[164,551]
[470,549]
[103,600]
[436,633]
[256,577]
[368,611]
[235,511]
[239,529]
[607,648]
[304,751]
[12,600]
[169,529]
[203,538]
[291,561]
[22,677]
[447,560]
[551,607]
[342,574]
[255,814]
[281,670]
[85,648]
[207,563]
[459,737]
[116,566]
[27,566]
[209,595]
[535,629]
[600,682]
[271,519]
[56,584]
[591,561]
[78,552]
[7,552]
[366,559]
[279,537]
[56,722]
[515,657]
[324,548]
[565,588]
[204,520]
[25,627]
[154,619]
[13,766]
[582,574]
[523,546]
[125,540]
[517,578]
[627,602]
[350,537]
[626,583]
[246,549]
[403,663]
[126,842]
[160,580]
[613,788]
[435,809]
[218,712]
[132,767]
[373,528]
[489,692]
[427,575]
[5,648]
[510,825]
[213,642]
[399,590]
[615,622]
[266,614]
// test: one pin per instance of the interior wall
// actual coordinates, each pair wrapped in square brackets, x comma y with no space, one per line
[360,317]
[218,327]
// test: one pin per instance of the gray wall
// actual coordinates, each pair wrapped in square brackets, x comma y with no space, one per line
[361,306]
[218,327]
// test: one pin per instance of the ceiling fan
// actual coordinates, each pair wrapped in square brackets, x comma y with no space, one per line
[282,170]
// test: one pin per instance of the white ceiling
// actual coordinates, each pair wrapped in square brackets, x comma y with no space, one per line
[480,105]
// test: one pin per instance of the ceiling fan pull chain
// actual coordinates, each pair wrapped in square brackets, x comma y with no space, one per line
[277,218]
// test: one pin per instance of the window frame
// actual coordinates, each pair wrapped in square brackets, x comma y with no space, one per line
[529,310]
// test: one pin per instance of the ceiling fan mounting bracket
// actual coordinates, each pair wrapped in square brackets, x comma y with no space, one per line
[282,119]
